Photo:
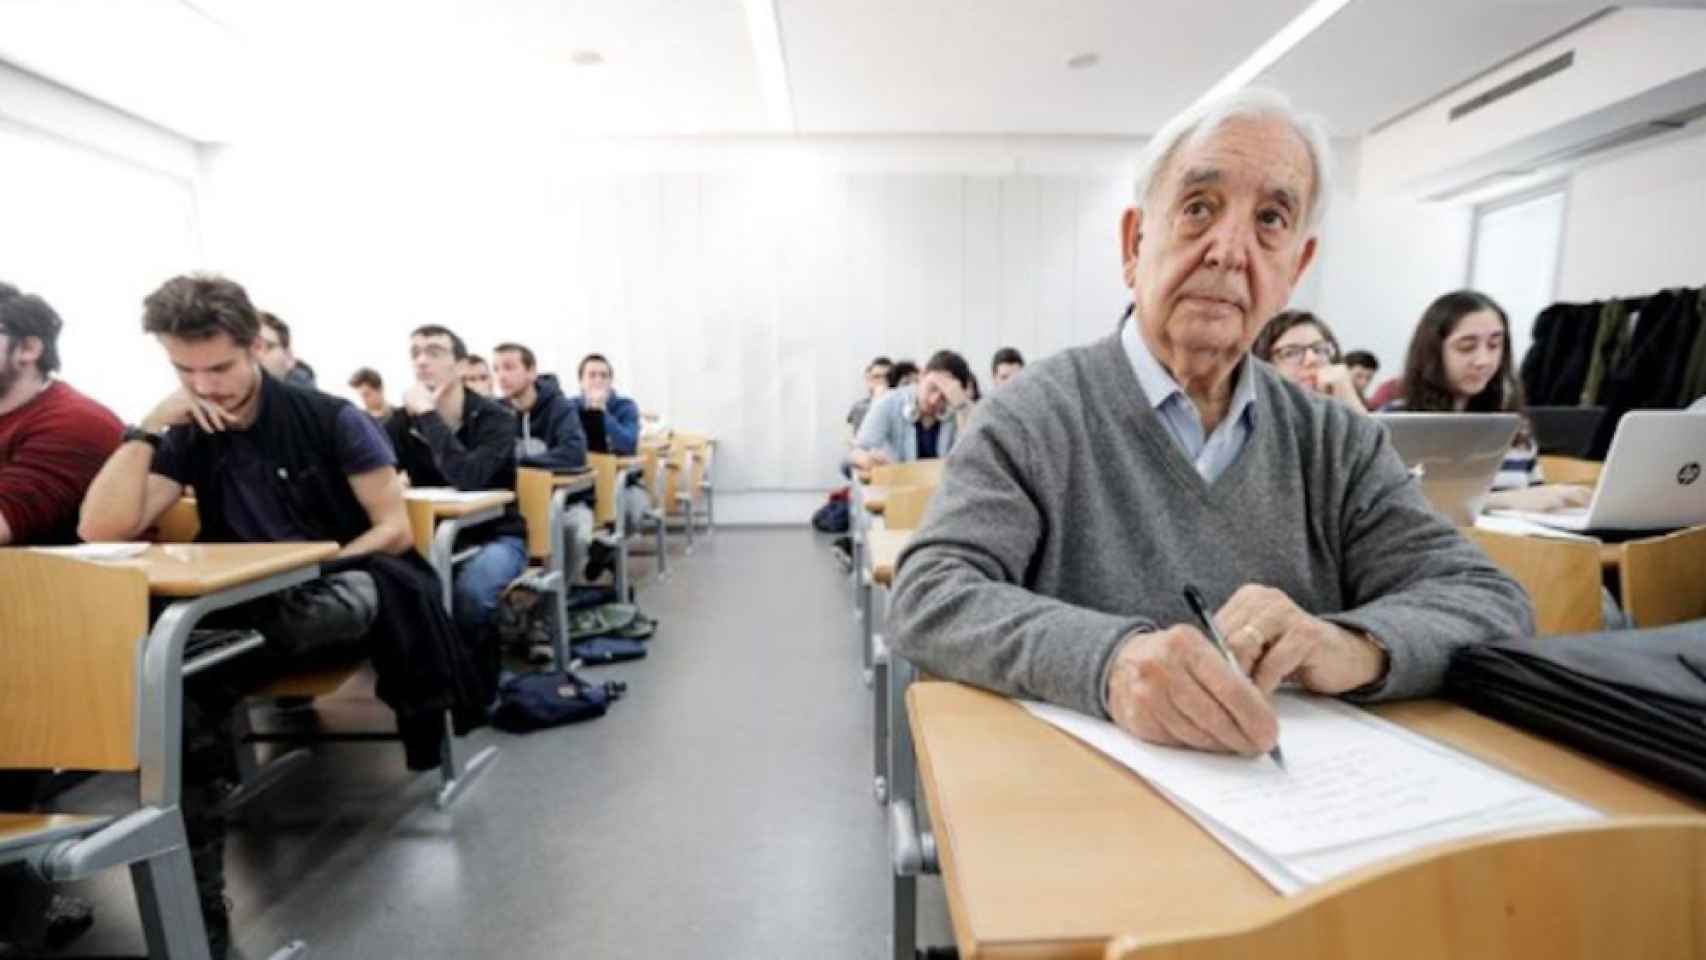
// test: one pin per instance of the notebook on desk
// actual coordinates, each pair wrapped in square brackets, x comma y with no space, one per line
[1455,456]
[1652,478]
[1357,789]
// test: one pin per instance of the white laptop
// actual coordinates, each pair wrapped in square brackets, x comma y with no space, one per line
[1652,479]
[1454,455]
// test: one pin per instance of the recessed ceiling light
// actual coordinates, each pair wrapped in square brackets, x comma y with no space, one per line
[1083,61]
[586,58]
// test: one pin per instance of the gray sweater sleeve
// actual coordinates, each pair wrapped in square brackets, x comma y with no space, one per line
[1411,580]
[961,609]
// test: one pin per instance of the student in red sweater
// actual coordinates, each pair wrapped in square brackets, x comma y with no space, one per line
[53,439]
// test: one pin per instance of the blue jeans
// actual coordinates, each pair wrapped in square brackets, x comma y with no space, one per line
[482,579]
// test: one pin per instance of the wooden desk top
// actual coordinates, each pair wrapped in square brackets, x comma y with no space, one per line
[1048,848]
[476,501]
[884,547]
[195,569]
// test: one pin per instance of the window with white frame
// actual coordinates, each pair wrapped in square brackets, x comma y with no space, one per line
[1515,257]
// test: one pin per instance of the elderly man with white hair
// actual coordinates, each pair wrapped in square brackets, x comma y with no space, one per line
[1091,491]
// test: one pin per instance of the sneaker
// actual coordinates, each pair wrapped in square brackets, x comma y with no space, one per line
[540,654]
[68,918]
[600,559]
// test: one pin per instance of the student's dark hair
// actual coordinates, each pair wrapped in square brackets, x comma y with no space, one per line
[879,362]
[201,307]
[900,371]
[954,365]
[278,326]
[1285,320]
[1006,355]
[1362,358]
[580,371]
[527,358]
[27,315]
[474,358]
[1426,388]
[366,377]
[458,349]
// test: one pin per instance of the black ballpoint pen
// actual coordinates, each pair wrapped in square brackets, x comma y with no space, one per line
[1198,607]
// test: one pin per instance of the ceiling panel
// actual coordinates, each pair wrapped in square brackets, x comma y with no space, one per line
[1000,66]
[1379,58]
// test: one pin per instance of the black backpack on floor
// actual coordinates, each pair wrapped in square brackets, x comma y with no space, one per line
[551,698]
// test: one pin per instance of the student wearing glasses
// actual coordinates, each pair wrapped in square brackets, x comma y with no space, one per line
[1303,349]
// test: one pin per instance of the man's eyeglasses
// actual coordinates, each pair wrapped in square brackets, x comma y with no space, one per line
[1293,352]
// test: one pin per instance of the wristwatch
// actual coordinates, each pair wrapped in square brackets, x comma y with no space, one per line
[134,432]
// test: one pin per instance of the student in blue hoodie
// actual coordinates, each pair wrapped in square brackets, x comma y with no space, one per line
[611,423]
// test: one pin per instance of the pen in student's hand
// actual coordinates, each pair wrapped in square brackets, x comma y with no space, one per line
[1198,607]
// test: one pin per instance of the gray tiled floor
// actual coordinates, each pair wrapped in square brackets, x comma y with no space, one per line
[723,809]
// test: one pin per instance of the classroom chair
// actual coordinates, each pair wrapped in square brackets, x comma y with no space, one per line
[918,473]
[691,485]
[257,778]
[1631,888]
[80,689]
[905,507]
[1664,578]
[1562,578]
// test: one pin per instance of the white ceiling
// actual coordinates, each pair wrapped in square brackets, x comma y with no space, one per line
[999,66]
[213,68]
[1379,58]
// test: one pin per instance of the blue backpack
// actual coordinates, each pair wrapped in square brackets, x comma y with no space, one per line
[551,698]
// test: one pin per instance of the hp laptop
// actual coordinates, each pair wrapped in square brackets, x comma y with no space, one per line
[1652,478]
[1454,455]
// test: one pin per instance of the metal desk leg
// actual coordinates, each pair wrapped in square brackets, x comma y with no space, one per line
[559,580]
[443,557]
[458,777]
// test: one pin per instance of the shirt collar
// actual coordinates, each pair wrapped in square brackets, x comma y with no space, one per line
[1160,387]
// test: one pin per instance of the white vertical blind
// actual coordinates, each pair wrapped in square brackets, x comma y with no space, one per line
[743,302]
[1516,259]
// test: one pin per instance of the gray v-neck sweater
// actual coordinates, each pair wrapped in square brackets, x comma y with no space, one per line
[1069,518]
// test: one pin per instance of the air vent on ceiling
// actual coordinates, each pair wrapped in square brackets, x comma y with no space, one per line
[1521,81]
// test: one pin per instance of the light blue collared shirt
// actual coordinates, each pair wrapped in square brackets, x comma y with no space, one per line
[1211,455]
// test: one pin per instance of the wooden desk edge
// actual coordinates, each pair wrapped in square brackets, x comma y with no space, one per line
[177,585]
[948,843]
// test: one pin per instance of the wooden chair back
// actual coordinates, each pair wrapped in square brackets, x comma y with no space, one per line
[1664,578]
[179,524]
[421,524]
[1558,469]
[533,496]
[918,473]
[1562,578]
[71,633]
[904,509]
[604,471]
[1632,888]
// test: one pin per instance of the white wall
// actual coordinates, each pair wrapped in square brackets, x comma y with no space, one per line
[96,208]
[1633,224]
[738,286]
[1384,259]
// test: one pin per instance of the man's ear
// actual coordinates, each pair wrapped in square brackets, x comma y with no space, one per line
[1131,234]
[1304,260]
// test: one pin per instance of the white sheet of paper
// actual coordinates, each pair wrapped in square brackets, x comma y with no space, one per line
[1501,522]
[99,552]
[1356,789]
[445,494]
